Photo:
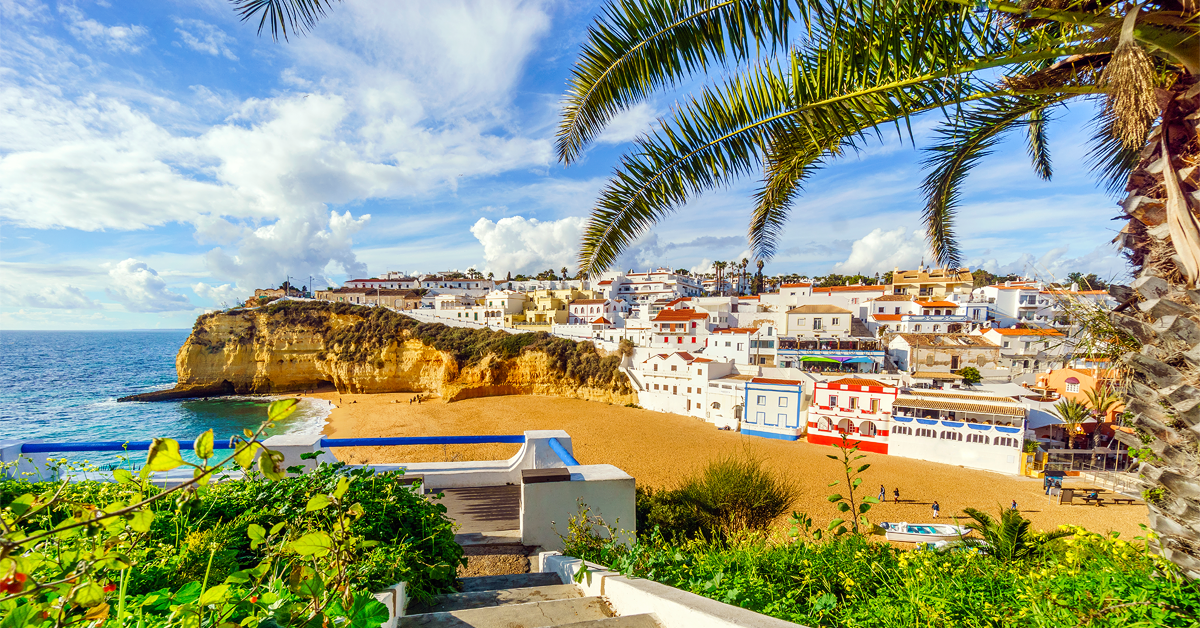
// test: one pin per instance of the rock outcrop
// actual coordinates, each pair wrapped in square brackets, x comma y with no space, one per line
[309,346]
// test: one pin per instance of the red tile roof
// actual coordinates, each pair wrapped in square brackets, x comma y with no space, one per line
[856,381]
[886,317]
[936,304]
[785,382]
[588,301]
[679,315]
[796,285]
[601,321]
[735,330]
[605,282]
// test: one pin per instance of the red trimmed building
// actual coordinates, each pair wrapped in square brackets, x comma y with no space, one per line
[859,408]
[680,329]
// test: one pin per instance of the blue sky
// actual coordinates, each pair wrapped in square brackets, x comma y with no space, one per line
[158,159]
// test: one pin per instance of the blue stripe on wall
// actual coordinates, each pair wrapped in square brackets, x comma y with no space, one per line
[769,435]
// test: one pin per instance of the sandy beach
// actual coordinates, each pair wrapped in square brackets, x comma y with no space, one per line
[658,449]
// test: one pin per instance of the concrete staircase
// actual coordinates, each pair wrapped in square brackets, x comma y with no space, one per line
[532,600]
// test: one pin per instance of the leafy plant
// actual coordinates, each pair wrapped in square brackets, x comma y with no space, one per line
[855,509]
[265,550]
[1010,538]
[970,375]
[1072,414]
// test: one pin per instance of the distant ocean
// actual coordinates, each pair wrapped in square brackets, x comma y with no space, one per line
[63,386]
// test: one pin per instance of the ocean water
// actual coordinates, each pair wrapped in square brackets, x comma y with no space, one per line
[63,386]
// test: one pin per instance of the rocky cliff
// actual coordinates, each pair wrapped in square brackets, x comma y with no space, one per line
[293,346]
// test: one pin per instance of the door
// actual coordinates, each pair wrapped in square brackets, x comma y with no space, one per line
[954,363]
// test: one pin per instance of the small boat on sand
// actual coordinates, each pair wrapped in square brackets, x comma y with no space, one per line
[923,532]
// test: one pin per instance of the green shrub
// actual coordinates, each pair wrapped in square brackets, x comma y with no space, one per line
[1089,580]
[728,495]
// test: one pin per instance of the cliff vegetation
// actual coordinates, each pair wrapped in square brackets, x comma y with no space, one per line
[292,345]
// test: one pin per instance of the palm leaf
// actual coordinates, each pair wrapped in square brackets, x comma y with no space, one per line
[970,137]
[638,46]
[281,15]
[1037,145]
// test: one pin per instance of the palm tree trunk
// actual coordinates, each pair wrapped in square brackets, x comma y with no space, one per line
[1162,312]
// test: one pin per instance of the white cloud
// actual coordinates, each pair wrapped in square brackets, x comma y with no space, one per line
[120,38]
[881,251]
[1104,260]
[224,294]
[296,246]
[628,124]
[62,296]
[204,37]
[520,245]
[139,288]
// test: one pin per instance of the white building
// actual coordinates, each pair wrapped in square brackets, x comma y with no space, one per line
[818,321]
[396,283]
[743,345]
[1029,350]
[647,287]
[587,311]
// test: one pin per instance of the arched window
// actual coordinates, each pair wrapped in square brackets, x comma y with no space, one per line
[866,428]
[846,426]
[824,424]
[716,406]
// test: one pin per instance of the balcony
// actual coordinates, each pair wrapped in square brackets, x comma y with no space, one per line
[831,346]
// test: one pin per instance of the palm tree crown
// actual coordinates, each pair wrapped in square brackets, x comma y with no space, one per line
[806,80]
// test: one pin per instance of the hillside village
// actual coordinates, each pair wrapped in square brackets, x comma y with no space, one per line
[927,366]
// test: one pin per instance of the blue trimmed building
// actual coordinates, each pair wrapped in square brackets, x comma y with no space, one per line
[773,408]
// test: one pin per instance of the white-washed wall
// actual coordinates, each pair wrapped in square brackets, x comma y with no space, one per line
[990,456]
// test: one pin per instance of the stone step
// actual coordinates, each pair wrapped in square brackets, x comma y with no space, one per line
[499,597]
[626,621]
[513,581]
[529,615]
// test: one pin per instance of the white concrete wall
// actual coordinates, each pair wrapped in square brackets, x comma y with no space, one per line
[547,507]
[990,457]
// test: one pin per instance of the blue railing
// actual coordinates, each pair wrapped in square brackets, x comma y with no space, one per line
[133,445]
[422,440]
[563,454]
[45,448]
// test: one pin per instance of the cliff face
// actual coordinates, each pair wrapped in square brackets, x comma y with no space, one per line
[285,349]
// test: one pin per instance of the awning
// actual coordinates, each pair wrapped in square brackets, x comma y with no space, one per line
[814,358]
[860,360]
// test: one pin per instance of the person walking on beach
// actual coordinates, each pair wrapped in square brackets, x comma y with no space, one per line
[896,495]
[882,493]
[936,509]
[1014,504]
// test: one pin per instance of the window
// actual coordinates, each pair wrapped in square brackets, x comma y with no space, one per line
[656,367]
[674,390]
[656,387]
[949,435]
[816,323]
[902,429]
[937,328]
[916,328]
[1005,442]
[762,400]
[897,310]
[833,401]
[824,424]
[689,390]
[854,403]
[783,402]
[874,405]
[977,438]
[758,417]
[926,432]
[728,344]
[780,418]
[833,322]
[741,346]
[1005,344]
[867,428]
[1073,388]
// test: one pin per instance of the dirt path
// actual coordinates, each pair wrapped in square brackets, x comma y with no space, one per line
[658,449]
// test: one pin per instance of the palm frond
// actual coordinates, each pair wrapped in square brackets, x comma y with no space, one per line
[837,89]
[297,15]
[638,46]
[1109,157]
[963,141]
[1037,145]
